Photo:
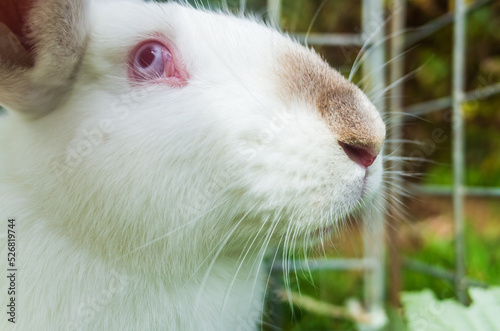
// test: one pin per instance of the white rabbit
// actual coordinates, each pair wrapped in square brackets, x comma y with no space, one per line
[149,155]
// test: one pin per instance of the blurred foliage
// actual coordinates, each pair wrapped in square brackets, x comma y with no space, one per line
[433,80]
[483,261]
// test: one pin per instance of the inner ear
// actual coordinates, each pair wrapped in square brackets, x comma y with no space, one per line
[14,15]
[41,46]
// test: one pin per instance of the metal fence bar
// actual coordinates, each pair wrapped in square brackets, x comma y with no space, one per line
[274,11]
[327,264]
[373,28]
[448,190]
[438,272]
[395,134]
[458,148]
[331,39]
[446,102]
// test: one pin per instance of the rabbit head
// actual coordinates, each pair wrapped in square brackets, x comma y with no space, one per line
[162,128]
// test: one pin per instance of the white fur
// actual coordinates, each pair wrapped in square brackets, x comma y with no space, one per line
[151,209]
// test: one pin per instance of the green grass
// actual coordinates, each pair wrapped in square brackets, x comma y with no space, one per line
[482,260]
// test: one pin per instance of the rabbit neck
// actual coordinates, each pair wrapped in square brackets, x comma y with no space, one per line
[125,296]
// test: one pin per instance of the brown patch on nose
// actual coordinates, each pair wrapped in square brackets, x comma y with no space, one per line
[346,110]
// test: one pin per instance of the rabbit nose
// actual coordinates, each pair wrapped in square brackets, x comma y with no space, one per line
[362,155]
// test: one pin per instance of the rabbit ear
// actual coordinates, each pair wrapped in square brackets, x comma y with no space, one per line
[41,45]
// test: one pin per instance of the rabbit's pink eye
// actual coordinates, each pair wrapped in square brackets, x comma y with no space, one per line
[147,55]
[152,61]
